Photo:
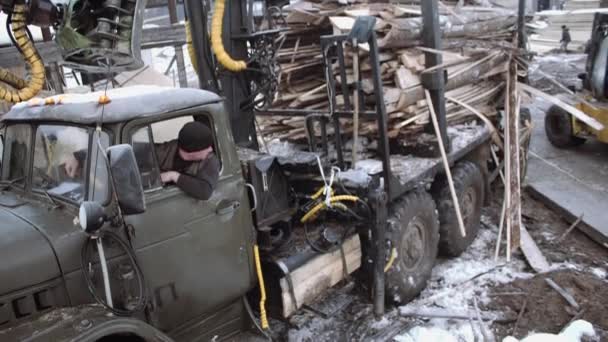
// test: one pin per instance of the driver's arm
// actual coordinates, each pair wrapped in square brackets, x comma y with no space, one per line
[74,163]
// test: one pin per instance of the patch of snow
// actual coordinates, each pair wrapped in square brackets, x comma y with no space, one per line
[420,334]
[573,333]
[599,272]
[455,282]
[381,324]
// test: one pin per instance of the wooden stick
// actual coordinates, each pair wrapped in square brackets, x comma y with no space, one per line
[501,226]
[507,136]
[440,52]
[446,163]
[521,313]
[568,108]
[571,228]
[487,335]
[355,104]
[445,313]
[562,292]
[482,117]
[473,65]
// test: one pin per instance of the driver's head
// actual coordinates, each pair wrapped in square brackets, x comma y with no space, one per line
[195,141]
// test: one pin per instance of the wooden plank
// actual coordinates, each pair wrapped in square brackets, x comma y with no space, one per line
[319,274]
[533,254]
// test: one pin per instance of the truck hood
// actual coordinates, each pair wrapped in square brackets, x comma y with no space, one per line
[36,243]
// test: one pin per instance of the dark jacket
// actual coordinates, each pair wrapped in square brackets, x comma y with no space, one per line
[566,36]
[198,179]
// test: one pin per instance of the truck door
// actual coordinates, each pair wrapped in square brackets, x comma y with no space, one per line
[196,255]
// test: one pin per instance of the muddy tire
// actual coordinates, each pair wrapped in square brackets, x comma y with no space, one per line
[558,128]
[413,229]
[469,185]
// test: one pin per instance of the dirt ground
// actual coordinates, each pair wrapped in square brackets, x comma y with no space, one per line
[545,309]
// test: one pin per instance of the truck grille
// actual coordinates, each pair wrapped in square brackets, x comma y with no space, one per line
[26,303]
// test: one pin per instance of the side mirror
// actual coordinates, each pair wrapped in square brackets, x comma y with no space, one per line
[124,174]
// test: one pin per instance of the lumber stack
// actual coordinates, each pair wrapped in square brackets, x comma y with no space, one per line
[477,46]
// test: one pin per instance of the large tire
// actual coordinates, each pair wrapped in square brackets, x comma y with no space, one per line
[558,128]
[469,185]
[413,231]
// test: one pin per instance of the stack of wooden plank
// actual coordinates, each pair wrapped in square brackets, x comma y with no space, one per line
[477,46]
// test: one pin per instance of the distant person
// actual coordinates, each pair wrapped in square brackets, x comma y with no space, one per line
[566,39]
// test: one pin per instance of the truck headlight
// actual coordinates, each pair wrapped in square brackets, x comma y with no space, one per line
[91,216]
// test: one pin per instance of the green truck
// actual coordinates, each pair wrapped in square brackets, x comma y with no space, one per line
[171,267]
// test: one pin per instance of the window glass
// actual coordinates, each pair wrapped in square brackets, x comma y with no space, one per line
[16,150]
[60,161]
[144,153]
[99,185]
[168,130]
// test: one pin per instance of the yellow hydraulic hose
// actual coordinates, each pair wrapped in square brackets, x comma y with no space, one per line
[258,267]
[391,260]
[25,89]
[216,40]
[12,79]
[320,192]
[312,212]
[190,47]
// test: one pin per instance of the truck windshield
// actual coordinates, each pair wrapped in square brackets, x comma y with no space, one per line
[60,164]
[60,159]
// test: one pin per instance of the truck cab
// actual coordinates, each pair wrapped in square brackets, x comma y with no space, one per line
[196,255]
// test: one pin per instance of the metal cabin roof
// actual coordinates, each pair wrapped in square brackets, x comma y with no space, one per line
[125,104]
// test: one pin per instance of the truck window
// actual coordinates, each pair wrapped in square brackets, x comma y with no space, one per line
[158,137]
[16,151]
[144,153]
[56,148]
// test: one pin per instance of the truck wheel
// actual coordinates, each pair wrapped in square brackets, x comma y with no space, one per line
[558,128]
[413,231]
[468,183]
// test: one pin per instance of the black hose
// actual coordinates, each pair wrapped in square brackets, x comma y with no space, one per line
[142,299]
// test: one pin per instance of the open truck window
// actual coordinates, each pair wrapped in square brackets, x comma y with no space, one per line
[146,138]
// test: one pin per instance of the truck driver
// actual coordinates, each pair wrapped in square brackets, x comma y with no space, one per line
[188,161]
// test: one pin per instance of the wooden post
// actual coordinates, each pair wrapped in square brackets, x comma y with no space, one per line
[512,188]
[179,52]
[53,71]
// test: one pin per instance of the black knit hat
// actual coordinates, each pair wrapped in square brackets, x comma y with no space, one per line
[194,136]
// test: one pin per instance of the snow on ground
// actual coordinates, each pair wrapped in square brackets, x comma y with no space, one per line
[455,282]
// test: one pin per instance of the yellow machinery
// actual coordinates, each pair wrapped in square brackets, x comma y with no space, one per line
[564,130]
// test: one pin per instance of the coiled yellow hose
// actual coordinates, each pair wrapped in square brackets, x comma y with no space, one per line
[216,40]
[312,212]
[25,89]
[258,267]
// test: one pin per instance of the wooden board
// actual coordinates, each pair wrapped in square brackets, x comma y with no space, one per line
[319,274]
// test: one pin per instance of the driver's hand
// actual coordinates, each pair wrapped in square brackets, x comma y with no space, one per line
[72,167]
